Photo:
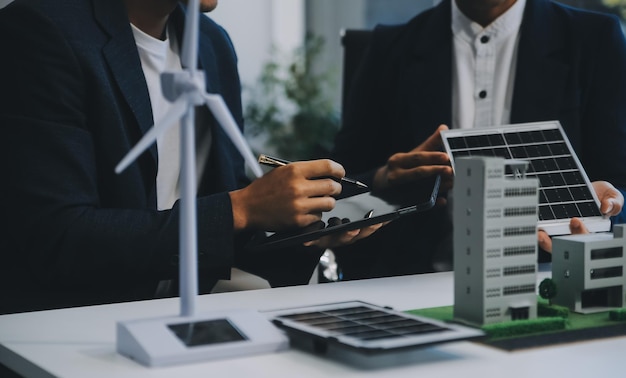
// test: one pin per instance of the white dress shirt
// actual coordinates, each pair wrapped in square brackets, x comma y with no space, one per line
[483,69]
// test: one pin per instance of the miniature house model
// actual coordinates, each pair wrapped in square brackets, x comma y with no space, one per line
[495,240]
[588,270]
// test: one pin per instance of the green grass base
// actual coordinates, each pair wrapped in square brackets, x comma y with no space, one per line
[618,315]
[551,319]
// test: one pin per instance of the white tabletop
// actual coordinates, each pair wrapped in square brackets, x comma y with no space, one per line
[80,342]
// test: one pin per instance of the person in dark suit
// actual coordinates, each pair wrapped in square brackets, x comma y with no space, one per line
[79,87]
[471,63]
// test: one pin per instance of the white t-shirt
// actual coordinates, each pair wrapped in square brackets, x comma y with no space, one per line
[158,56]
[484,68]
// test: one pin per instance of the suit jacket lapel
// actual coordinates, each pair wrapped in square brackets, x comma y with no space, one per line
[120,53]
[541,72]
[219,174]
[222,148]
[428,75]
[206,53]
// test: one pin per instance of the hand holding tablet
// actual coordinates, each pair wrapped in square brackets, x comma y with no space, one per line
[361,210]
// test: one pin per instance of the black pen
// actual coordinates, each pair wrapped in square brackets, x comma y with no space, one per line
[276,162]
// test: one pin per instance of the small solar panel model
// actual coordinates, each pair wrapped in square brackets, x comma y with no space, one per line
[564,188]
[364,334]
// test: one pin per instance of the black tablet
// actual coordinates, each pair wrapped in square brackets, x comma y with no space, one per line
[361,210]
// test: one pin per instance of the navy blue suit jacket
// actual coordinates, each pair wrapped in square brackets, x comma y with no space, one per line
[73,102]
[571,67]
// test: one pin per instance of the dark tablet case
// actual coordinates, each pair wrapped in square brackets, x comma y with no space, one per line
[387,205]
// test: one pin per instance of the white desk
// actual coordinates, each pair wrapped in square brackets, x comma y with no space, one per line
[80,342]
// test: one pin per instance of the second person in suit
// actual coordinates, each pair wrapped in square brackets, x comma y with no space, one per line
[472,63]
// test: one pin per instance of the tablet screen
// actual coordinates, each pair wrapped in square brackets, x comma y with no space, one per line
[362,210]
[371,204]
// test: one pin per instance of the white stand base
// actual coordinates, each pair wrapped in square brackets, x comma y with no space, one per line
[226,334]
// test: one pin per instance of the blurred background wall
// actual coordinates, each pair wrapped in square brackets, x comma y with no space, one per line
[257,26]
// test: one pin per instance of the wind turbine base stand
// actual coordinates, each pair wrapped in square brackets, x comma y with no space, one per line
[178,340]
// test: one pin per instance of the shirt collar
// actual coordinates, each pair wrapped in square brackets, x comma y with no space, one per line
[468,30]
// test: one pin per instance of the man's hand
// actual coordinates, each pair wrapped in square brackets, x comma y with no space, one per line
[287,197]
[423,161]
[611,203]
[345,238]
[611,199]
[576,226]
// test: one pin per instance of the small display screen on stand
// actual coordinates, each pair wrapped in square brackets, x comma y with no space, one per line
[207,332]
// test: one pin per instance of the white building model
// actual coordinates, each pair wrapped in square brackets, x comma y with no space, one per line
[588,270]
[495,240]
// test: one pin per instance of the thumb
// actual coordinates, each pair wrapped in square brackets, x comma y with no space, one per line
[576,226]
[607,206]
[544,241]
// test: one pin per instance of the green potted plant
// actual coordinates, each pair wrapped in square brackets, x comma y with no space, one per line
[290,106]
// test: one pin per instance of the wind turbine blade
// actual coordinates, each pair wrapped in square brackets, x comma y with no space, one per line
[190,36]
[224,117]
[178,109]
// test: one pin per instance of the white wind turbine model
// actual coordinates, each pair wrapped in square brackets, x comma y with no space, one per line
[191,337]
